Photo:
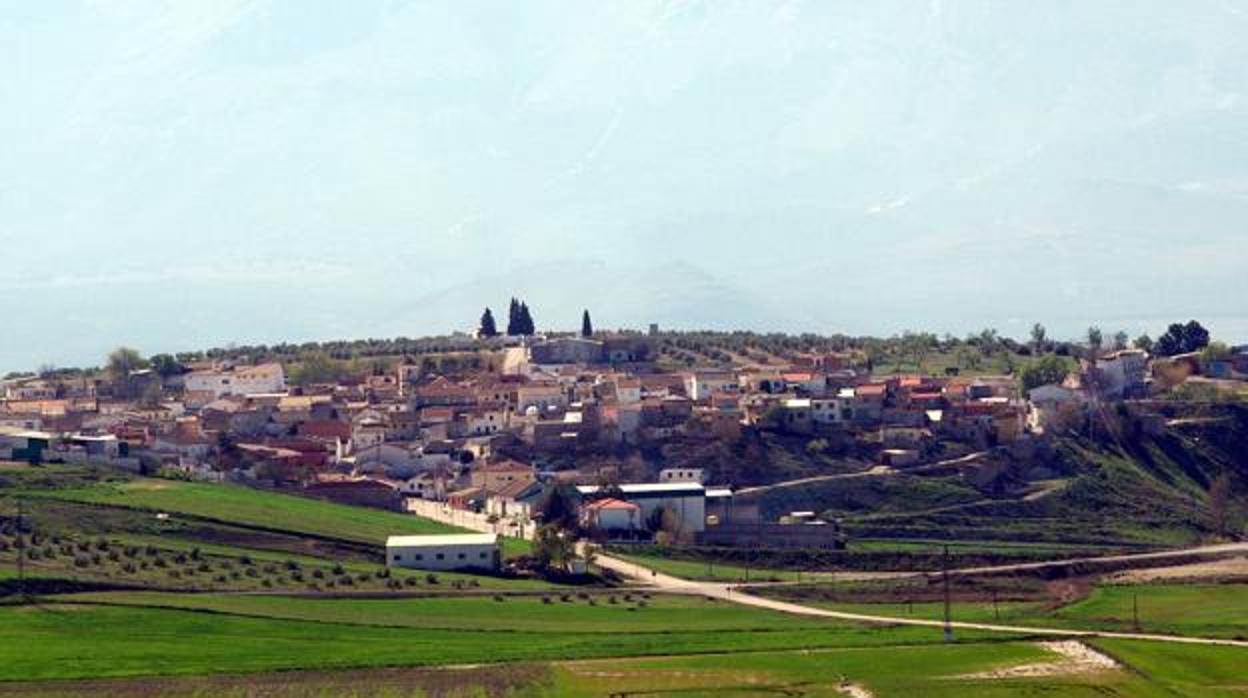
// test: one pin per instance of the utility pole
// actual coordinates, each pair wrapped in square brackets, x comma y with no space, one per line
[21,554]
[944,573]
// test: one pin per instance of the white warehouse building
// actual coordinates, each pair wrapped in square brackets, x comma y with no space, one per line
[454,551]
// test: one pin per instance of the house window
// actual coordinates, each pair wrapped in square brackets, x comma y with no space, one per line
[463,556]
[397,557]
[419,557]
[441,556]
[482,556]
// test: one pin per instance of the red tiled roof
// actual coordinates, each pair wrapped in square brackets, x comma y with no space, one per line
[610,503]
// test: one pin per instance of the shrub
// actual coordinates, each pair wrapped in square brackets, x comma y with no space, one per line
[242,559]
[33,554]
[346,580]
[128,568]
[132,551]
[410,581]
[292,565]
[270,569]
[101,544]
[297,576]
[180,558]
[383,573]
[318,573]
[84,545]
[338,569]
[265,583]
[145,565]
[547,600]
[251,572]
[160,562]
[96,559]
[499,597]
[431,578]
[204,567]
[235,575]
[219,579]
[114,555]
[175,574]
[151,550]
[82,561]
[195,556]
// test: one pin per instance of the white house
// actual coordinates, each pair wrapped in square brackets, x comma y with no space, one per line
[697,475]
[699,385]
[239,380]
[453,551]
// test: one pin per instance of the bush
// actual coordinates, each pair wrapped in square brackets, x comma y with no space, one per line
[431,578]
[204,567]
[114,556]
[175,574]
[383,573]
[242,559]
[252,572]
[292,565]
[265,583]
[270,569]
[101,544]
[82,561]
[145,565]
[33,554]
[338,569]
[151,550]
[195,556]
[219,579]
[346,580]
[499,597]
[180,558]
[160,562]
[318,573]
[547,600]
[128,568]
[410,581]
[234,575]
[96,559]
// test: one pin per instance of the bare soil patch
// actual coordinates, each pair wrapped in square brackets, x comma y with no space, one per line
[1074,658]
[1234,568]
[391,683]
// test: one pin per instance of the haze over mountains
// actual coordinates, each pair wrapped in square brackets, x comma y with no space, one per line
[199,173]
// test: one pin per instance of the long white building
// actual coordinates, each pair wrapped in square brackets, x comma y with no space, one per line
[453,551]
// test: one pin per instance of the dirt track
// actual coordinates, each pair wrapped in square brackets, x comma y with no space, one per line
[734,593]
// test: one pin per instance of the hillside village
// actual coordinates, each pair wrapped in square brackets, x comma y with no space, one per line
[593,415]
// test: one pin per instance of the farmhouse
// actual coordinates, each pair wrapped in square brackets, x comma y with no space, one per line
[454,551]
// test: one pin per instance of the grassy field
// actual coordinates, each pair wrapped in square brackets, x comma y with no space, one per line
[77,640]
[559,612]
[1200,610]
[1209,610]
[240,505]
[691,569]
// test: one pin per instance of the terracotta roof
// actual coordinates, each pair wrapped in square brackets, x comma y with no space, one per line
[611,503]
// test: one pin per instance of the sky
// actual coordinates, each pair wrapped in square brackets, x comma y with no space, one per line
[185,174]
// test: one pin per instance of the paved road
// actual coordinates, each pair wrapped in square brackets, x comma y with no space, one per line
[734,593]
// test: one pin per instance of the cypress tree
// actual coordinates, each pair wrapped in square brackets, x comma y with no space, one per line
[488,328]
[526,320]
[587,327]
[513,319]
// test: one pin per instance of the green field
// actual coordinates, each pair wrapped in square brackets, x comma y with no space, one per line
[1199,610]
[1208,610]
[238,505]
[78,640]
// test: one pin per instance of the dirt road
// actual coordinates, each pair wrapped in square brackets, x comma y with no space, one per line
[734,593]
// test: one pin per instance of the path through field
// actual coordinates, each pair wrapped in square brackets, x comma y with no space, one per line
[735,593]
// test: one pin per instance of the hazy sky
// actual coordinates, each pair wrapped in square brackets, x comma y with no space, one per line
[182,174]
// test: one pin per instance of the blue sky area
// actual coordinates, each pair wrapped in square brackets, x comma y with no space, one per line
[177,175]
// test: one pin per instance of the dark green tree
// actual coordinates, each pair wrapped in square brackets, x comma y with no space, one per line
[1182,339]
[166,365]
[488,329]
[587,327]
[525,319]
[514,327]
[1045,371]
